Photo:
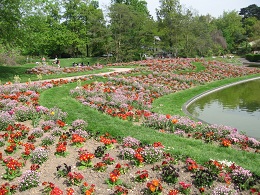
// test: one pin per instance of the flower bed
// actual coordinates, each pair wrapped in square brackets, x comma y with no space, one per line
[43,155]
[47,70]
[131,97]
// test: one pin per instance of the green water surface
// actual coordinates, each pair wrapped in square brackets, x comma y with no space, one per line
[237,106]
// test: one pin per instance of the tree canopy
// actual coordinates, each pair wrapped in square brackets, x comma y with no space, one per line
[126,31]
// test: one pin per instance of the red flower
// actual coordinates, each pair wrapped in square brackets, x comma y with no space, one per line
[173,192]
[77,138]
[56,191]
[60,123]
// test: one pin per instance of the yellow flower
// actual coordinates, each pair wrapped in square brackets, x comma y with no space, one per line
[52,113]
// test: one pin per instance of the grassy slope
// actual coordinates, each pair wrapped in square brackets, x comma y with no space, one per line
[196,149]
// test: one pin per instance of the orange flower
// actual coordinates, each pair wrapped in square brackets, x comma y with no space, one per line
[174,121]
[155,182]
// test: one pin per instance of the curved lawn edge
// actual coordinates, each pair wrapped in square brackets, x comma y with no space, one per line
[173,103]
[97,121]
[192,100]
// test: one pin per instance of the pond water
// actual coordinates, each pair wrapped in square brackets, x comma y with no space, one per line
[237,106]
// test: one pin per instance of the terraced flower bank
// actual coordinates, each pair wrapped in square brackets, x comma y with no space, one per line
[41,154]
[130,98]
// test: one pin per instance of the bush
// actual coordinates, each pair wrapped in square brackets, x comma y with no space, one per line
[10,56]
[253,57]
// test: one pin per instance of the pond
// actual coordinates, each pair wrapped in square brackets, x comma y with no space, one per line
[237,106]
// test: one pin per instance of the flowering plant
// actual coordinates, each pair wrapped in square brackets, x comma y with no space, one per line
[119,190]
[30,179]
[170,174]
[6,189]
[27,150]
[242,178]
[51,189]
[184,188]
[107,159]
[61,149]
[191,164]
[47,140]
[131,142]
[13,168]
[173,192]
[100,151]
[63,171]
[70,191]
[226,143]
[141,176]
[100,167]
[122,168]
[79,124]
[113,179]
[77,140]
[37,132]
[204,178]
[138,160]
[127,153]
[85,159]
[109,143]
[154,187]
[75,178]
[86,189]
[60,123]
[39,155]
[152,154]
[11,147]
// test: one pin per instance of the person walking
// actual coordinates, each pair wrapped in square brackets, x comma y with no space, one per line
[43,61]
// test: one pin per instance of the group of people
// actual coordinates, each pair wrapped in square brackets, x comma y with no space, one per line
[79,64]
[56,61]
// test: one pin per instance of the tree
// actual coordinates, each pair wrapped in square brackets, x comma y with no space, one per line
[250,11]
[129,31]
[231,26]
[10,16]
[86,23]
[139,5]
[170,23]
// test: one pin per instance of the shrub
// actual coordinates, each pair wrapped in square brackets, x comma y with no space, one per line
[253,57]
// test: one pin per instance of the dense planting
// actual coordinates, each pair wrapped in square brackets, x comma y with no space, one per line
[42,154]
[130,96]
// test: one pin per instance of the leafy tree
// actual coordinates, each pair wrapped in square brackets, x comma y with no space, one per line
[10,16]
[86,24]
[129,31]
[250,11]
[231,26]
[170,23]
[139,5]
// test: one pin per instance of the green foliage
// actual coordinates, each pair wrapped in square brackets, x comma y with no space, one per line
[253,57]
[78,28]
[170,174]
[204,178]
[250,11]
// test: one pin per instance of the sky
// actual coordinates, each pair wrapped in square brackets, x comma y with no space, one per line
[203,7]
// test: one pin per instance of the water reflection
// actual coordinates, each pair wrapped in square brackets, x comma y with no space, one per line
[237,106]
